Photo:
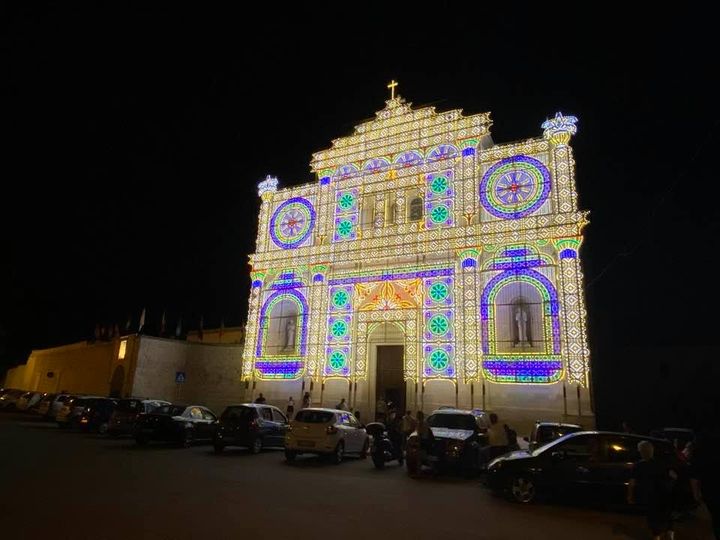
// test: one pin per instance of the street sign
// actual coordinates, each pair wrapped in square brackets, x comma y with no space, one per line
[179,377]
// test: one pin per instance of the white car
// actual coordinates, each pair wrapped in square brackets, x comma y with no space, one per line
[325,431]
[27,400]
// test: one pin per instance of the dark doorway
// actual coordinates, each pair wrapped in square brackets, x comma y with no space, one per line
[390,383]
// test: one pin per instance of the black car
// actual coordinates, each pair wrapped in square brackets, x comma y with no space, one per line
[176,423]
[96,416]
[252,425]
[545,432]
[455,444]
[589,465]
[126,413]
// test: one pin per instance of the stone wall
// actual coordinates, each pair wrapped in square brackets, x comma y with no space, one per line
[83,368]
[212,372]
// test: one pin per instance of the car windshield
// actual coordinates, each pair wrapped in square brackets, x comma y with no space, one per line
[539,450]
[314,417]
[550,433]
[238,413]
[170,410]
[452,421]
[129,405]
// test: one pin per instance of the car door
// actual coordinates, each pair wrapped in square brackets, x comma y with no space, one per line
[576,463]
[350,427]
[621,454]
[195,417]
[280,423]
[267,425]
[358,432]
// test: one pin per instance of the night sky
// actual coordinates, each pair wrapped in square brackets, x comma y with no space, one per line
[134,141]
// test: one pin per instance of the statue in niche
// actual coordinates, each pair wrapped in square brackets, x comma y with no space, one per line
[289,334]
[522,319]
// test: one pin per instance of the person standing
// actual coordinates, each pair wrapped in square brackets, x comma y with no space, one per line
[290,409]
[705,475]
[306,400]
[651,485]
[260,399]
[408,424]
[341,406]
[380,410]
[497,437]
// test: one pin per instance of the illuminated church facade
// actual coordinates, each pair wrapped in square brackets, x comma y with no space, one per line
[428,266]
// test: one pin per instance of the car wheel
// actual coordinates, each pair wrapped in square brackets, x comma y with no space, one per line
[257,445]
[365,448]
[378,461]
[337,456]
[523,489]
[187,439]
[219,447]
[103,428]
[290,455]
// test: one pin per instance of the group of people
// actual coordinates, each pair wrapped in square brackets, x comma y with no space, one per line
[668,493]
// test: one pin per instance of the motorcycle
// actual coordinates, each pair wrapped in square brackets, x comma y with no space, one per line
[385,446]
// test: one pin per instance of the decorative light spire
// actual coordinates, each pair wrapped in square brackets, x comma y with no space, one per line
[269,185]
[560,129]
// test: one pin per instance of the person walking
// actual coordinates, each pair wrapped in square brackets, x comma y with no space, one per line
[341,406]
[651,484]
[290,409]
[260,398]
[306,400]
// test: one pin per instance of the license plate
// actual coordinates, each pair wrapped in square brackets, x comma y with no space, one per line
[306,443]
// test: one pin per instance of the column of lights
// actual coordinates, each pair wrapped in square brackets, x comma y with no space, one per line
[575,351]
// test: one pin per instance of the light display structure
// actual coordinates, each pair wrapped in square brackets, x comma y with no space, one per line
[423,233]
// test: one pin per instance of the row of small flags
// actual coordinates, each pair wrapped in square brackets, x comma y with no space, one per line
[103,332]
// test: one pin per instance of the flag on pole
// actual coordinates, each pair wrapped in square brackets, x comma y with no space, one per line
[142,321]
[162,324]
[178,328]
[200,330]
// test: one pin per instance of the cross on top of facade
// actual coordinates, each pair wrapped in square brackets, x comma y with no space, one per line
[392,86]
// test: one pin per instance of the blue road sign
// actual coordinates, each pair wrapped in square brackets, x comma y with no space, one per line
[179,377]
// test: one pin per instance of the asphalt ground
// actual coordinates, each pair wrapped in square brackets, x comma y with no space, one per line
[62,484]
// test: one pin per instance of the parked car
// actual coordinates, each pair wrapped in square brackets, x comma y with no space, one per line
[585,464]
[545,432]
[252,425]
[69,413]
[181,424]
[678,436]
[456,443]
[50,405]
[9,399]
[27,400]
[325,432]
[126,413]
[96,415]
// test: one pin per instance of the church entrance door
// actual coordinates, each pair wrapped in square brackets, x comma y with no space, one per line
[390,382]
